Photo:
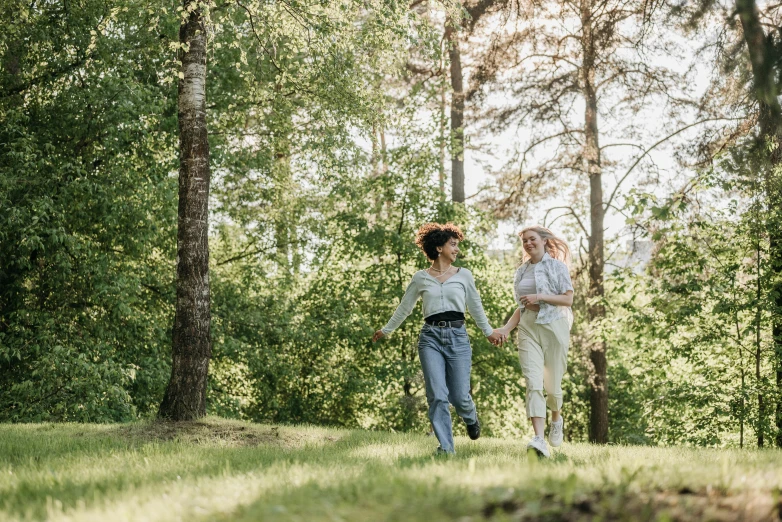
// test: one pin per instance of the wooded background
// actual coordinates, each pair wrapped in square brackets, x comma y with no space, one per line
[209,207]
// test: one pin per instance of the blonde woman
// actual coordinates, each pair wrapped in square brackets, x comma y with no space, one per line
[544,294]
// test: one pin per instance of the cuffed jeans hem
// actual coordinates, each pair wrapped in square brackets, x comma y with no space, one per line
[536,404]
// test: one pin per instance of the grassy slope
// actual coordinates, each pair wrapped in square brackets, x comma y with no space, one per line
[227,470]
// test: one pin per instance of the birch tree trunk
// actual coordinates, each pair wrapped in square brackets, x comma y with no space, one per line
[185,397]
[598,392]
[763,60]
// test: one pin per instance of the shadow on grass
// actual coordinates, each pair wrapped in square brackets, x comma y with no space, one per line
[99,465]
[371,475]
[377,496]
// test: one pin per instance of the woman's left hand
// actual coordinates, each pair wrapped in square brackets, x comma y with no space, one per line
[531,299]
[497,337]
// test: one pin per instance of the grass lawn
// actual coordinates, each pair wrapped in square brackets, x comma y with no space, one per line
[229,470]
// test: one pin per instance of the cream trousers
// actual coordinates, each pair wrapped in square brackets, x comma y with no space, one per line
[543,356]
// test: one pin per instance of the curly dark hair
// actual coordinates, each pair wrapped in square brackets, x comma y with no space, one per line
[433,235]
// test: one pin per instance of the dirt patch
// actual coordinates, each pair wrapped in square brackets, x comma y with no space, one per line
[683,505]
[216,434]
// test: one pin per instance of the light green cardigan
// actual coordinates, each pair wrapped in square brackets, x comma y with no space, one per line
[451,296]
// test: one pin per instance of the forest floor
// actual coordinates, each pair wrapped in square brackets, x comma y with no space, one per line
[224,470]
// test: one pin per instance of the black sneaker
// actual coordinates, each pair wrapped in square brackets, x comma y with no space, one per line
[474,430]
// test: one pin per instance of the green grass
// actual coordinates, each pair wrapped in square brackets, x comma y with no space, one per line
[228,470]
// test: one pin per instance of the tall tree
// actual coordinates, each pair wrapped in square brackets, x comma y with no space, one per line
[561,56]
[452,36]
[766,61]
[460,24]
[286,57]
[750,55]
[185,397]
[589,41]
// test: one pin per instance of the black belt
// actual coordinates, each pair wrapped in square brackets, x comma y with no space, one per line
[445,324]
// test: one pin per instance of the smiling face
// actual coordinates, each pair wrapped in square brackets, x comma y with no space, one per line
[450,250]
[533,245]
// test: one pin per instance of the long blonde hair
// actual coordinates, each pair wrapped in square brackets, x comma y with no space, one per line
[556,247]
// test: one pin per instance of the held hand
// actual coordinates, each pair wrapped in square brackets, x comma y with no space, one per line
[497,337]
[378,335]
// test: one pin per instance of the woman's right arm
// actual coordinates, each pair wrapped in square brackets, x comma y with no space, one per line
[516,317]
[512,322]
[404,309]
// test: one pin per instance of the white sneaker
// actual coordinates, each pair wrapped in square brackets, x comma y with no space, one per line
[539,445]
[555,433]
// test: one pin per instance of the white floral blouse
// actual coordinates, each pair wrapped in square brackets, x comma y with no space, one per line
[552,277]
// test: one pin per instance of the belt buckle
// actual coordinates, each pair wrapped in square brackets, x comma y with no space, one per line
[442,324]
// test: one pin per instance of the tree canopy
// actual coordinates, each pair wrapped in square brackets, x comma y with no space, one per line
[645,134]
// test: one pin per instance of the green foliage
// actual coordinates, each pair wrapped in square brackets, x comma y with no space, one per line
[88,196]
[86,218]
[696,347]
[313,242]
[310,358]
[326,153]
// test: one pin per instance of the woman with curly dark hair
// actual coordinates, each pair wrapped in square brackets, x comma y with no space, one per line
[443,346]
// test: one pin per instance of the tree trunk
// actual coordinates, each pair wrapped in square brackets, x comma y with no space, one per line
[185,397]
[284,228]
[758,352]
[441,172]
[762,57]
[598,392]
[741,418]
[777,333]
[742,372]
[383,151]
[457,111]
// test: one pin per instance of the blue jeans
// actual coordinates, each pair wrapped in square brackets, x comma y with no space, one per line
[446,358]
